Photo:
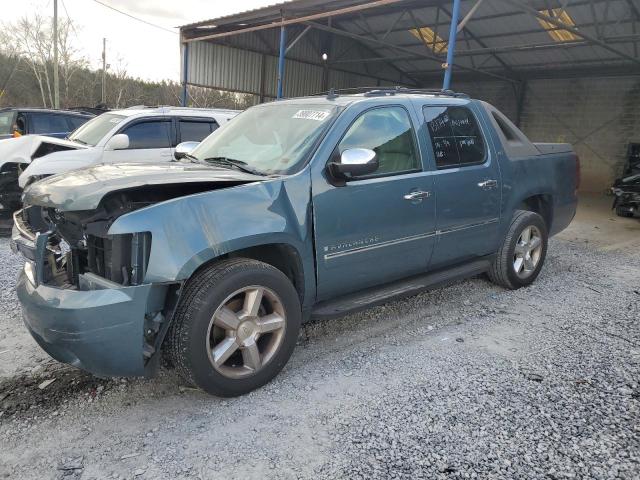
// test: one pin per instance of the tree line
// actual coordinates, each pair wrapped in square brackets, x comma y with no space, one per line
[26,74]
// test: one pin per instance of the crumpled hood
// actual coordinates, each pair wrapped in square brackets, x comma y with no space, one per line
[21,149]
[83,189]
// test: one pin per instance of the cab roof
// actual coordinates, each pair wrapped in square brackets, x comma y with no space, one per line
[168,110]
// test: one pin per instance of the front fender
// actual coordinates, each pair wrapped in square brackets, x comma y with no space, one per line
[189,231]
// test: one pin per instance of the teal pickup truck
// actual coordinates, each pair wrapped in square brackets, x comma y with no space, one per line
[298,209]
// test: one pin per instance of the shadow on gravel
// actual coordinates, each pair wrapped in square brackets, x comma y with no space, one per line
[48,391]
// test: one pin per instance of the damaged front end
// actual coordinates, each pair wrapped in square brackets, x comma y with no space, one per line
[83,292]
[85,289]
[627,196]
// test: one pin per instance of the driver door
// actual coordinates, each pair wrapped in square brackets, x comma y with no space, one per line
[378,228]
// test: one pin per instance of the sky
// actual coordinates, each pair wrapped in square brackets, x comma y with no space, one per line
[147,52]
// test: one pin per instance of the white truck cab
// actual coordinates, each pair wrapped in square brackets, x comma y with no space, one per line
[136,134]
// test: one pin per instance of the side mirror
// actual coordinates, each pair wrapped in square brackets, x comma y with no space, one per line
[354,163]
[118,142]
[184,148]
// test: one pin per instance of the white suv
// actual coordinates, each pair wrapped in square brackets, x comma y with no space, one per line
[131,135]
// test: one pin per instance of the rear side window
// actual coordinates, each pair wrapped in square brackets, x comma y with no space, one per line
[48,123]
[455,136]
[152,134]
[193,131]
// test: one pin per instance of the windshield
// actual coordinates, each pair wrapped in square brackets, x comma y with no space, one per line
[95,129]
[6,122]
[268,139]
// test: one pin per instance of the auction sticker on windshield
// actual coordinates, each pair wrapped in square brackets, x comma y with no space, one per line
[318,115]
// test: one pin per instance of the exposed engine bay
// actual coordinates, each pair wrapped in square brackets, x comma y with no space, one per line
[78,243]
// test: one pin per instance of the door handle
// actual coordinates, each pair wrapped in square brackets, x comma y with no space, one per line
[419,195]
[487,184]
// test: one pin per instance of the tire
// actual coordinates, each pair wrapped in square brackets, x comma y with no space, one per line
[503,269]
[219,311]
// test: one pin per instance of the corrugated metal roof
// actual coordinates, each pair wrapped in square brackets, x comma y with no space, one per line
[501,39]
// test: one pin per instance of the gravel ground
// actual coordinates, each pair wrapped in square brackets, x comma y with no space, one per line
[471,381]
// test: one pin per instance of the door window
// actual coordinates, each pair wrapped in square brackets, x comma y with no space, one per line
[455,136]
[388,132]
[154,134]
[48,123]
[192,131]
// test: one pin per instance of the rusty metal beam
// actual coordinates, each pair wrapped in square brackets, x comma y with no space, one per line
[291,21]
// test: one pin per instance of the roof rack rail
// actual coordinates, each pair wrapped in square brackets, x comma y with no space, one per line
[380,91]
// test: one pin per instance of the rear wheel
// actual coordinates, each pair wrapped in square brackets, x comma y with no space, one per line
[521,256]
[235,328]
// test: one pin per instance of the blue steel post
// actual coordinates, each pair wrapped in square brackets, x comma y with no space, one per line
[185,67]
[451,47]
[283,46]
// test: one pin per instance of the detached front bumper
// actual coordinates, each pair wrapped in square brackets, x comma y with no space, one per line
[98,327]
[100,331]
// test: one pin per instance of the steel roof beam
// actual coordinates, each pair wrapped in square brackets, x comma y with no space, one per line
[551,66]
[526,32]
[484,45]
[284,22]
[388,62]
[274,21]
[569,28]
[297,39]
[477,18]
[401,49]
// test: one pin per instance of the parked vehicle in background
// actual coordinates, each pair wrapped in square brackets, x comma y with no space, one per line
[627,188]
[27,123]
[15,122]
[130,135]
[304,208]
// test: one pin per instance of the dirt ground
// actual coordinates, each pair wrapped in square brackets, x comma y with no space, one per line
[470,381]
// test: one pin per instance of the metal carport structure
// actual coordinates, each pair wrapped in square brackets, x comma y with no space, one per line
[313,46]
[404,42]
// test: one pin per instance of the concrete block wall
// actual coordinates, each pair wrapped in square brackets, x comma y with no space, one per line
[599,116]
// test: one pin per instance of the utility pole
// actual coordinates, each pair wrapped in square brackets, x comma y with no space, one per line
[56,82]
[104,70]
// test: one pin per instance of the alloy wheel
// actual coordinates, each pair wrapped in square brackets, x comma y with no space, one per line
[528,251]
[246,331]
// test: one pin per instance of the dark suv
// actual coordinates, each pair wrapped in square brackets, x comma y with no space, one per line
[40,121]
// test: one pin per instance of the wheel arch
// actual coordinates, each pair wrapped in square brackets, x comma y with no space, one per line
[540,203]
[280,255]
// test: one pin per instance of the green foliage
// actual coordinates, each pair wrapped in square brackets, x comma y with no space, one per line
[19,87]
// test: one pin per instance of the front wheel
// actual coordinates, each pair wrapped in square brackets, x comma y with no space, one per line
[235,328]
[521,256]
